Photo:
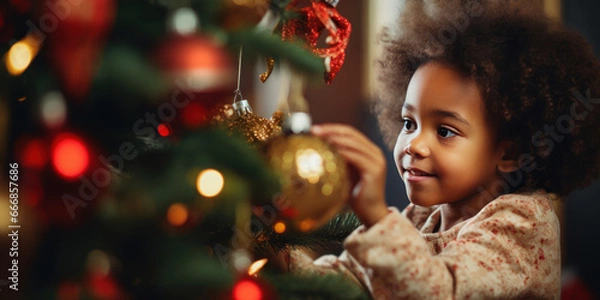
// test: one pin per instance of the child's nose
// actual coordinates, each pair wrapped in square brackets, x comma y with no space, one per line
[417,147]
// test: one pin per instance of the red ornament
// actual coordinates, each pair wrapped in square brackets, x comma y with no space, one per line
[76,42]
[308,26]
[201,73]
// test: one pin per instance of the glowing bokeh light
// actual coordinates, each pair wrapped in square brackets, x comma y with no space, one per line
[33,154]
[279,227]
[306,225]
[21,53]
[210,182]
[184,21]
[256,266]
[246,290]
[177,214]
[70,156]
[18,58]
[194,115]
[163,130]
[53,110]
[309,164]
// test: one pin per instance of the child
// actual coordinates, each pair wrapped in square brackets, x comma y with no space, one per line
[489,117]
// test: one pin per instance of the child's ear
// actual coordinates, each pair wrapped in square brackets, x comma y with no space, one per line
[508,159]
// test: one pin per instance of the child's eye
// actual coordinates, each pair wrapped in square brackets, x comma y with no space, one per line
[445,132]
[408,125]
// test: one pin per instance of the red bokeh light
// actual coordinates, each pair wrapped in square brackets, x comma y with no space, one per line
[163,130]
[33,154]
[70,156]
[194,115]
[247,290]
[103,286]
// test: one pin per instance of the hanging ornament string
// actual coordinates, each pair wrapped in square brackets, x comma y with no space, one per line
[241,107]
[238,92]
[244,121]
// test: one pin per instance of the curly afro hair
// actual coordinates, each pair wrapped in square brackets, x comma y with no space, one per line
[537,79]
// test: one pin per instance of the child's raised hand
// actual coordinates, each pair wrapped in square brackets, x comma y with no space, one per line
[367,200]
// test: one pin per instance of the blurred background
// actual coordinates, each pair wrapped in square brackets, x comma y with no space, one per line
[100,82]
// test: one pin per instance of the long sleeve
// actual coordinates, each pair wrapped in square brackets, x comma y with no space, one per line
[510,249]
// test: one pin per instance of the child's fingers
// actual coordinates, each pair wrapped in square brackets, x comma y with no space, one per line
[349,143]
[341,130]
[365,165]
[356,148]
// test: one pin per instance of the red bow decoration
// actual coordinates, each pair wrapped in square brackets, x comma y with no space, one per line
[308,26]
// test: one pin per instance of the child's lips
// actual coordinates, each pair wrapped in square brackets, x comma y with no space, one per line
[417,175]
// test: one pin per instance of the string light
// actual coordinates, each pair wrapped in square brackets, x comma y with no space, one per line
[20,55]
[279,227]
[70,157]
[256,266]
[184,21]
[306,225]
[163,130]
[246,290]
[54,109]
[210,182]
[177,214]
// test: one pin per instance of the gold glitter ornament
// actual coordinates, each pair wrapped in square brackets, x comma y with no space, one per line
[222,114]
[315,180]
[253,127]
[270,65]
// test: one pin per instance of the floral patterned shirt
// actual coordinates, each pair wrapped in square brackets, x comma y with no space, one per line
[509,250]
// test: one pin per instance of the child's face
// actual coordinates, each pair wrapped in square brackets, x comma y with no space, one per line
[446,151]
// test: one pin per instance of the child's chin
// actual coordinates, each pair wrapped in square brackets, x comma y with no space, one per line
[422,201]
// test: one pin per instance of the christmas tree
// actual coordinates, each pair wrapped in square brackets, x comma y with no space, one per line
[137,168]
